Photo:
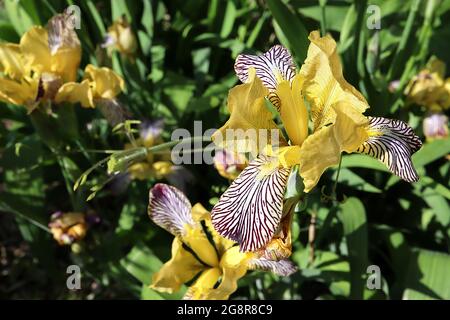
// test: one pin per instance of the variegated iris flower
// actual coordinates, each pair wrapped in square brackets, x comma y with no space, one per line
[251,210]
[43,67]
[211,263]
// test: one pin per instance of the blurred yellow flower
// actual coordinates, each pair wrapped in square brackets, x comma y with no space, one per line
[199,252]
[156,166]
[121,37]
[250,211]
[68,228]
[34,70]
[429,88]
[98,84]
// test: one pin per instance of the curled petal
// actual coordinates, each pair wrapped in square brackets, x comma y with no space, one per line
[271,67]
[105,82]
[250,211]
[170,209]
[181,268]
[281,267]
[324,81]
[75,92]
[392,142]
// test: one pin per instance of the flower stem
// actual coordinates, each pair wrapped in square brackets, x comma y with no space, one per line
[337,177]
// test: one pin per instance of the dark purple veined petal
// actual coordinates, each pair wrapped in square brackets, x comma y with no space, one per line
[250,211]
[274,63]
[392,142]
[281,267]
[169,208]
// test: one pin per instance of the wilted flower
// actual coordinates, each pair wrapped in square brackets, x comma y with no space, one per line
[251,210]
[429,88]
[229,164]
[68,228]
[121,37]
[199,252]
[435,126]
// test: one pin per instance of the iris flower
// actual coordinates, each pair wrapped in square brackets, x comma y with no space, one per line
[429,88]
[43,67]
[210,262]
[251,209]
[68,227]
[34,70]
[155,165]
[121,37]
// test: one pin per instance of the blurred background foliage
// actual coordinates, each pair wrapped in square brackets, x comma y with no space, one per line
[181,72]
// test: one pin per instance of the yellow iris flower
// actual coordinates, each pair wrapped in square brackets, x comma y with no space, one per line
[68,228]
[199,255]
[429,88]
[43,67]
[33,70]
[155,166]
[250,211]
[121,37]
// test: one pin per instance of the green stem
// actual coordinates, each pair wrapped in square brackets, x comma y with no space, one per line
[406,35]
[337,177]
[323,20]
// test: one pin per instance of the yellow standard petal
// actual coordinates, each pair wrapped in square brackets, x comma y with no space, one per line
[293,110]
[34,45]
[106,83]
[76,92]
[324,82]
[323,148]
[181,268]
[248,118]
[64,47]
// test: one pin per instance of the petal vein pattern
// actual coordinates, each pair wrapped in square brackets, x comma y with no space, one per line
[250,211]
[392,142]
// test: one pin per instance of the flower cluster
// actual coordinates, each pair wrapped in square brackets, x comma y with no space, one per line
[43,68]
